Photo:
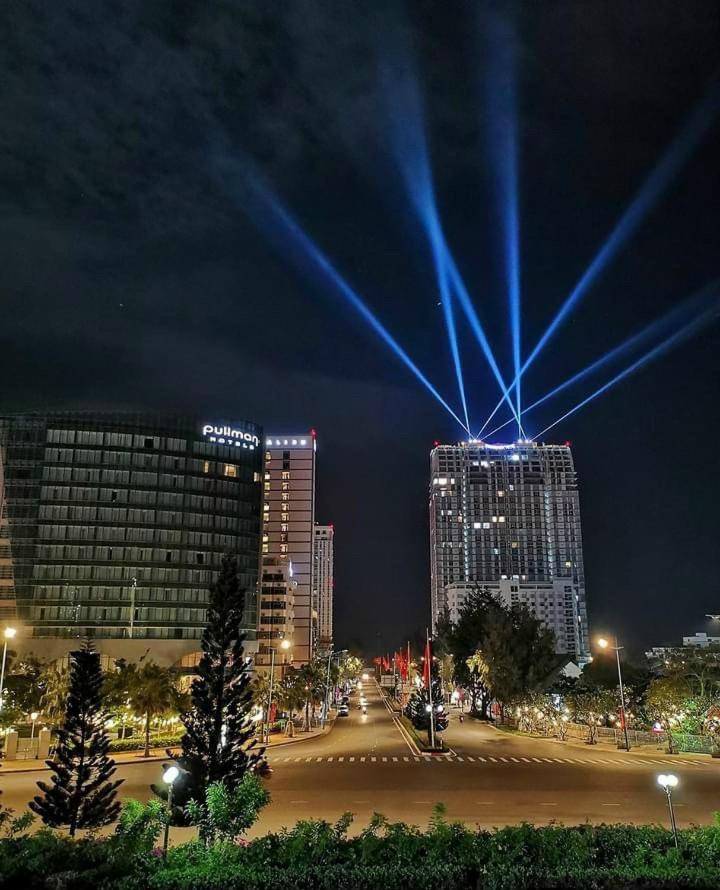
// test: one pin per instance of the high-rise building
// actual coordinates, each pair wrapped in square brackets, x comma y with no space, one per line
[276,614]
[507,517]
[288,522]
[113,525]
[324,583]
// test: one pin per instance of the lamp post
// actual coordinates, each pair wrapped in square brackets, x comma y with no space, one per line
[169,777]
[8,634]
[604,644]
[33,717]
[668,782]
[285,644]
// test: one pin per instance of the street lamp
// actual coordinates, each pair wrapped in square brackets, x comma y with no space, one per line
[668,782]
[9,634]
[604,644]
[169,777]
[284,644]
[33,717]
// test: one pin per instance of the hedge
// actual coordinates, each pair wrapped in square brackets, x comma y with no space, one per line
[137,743]
[386,856]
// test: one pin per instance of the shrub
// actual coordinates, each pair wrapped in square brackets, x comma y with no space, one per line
[136,743]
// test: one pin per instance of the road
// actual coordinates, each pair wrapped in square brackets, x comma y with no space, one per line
[366,765]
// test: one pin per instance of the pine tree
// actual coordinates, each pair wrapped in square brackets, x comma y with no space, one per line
[81,794]
[216,746]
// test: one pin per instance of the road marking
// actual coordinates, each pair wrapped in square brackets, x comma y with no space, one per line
[341,759]
[548,804]
[352,760]
[515,760]
[361,801]
[537,760]
[287,759]
[395,760]
[406,759]
[609,804]
[308,759]
[557,760]
[493,760]
[484,803]
[362,760]
[374,759]
[483,759]
[471,759]
[547,760]
[421,801]
[384,759]
[298,801]
[525,759]
[330,759]
[459,760]
[298,759]
[416,759]
[504,759]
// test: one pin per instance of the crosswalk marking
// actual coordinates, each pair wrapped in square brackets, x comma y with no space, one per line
[423,757]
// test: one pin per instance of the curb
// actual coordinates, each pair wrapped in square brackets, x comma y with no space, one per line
[305,738]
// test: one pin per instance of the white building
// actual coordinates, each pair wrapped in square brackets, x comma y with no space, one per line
[324,583]
[276,613]
[508,516]
[288,523]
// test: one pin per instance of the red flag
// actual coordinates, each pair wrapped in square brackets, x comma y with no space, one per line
[426,665]
[378,661]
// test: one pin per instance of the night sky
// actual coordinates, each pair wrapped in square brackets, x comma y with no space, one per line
[138,271]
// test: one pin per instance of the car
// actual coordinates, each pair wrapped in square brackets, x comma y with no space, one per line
[343,711]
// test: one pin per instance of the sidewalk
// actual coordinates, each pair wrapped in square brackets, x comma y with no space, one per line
[123,757]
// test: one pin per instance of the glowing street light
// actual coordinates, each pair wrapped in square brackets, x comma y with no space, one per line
[604,644]
[285,644]
[33,717]
[8,634]
[668,782]
[169,777]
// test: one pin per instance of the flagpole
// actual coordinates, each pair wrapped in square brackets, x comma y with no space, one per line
[432,709]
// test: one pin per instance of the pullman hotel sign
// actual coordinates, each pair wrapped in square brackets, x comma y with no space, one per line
[226,435]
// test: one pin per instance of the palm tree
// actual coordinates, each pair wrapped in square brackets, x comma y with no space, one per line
[55,684]
[151,694]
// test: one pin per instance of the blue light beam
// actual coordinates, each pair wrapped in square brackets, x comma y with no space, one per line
[501,98]
[412,157]
[305,248]
[669,321]
[672,160]
[675,339]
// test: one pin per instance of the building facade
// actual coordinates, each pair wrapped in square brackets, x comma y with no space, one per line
[276,614]
[288,523]
[324,583]
[113,525]
[508,516]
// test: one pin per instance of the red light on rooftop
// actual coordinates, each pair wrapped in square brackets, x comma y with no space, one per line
[568,443]
[313,434]
[436,443]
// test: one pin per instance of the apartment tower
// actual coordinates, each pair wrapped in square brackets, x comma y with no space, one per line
[507,518]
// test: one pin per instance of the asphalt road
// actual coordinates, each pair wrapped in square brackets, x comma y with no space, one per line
[367,765]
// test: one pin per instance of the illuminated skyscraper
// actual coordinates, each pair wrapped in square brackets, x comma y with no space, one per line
[507,517]
[288,523]
[323,582]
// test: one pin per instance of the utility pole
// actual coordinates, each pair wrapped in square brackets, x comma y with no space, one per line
[430,698]
[133,589]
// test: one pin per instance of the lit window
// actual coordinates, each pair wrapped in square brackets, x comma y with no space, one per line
[484,463]
[303,441]
[256,476]
[266,548]
[230,470]
[206,466]
[283,548]
[501,519]
[501,494]
[285,486]
[494,519]
[286,474]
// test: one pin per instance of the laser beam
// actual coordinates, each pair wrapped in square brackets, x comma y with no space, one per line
[501,99]
[687,331]
[304,248]
[412,157]
[668,321]
[674,157]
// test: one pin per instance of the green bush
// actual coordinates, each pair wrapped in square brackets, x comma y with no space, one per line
[316,855]
[137,743]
